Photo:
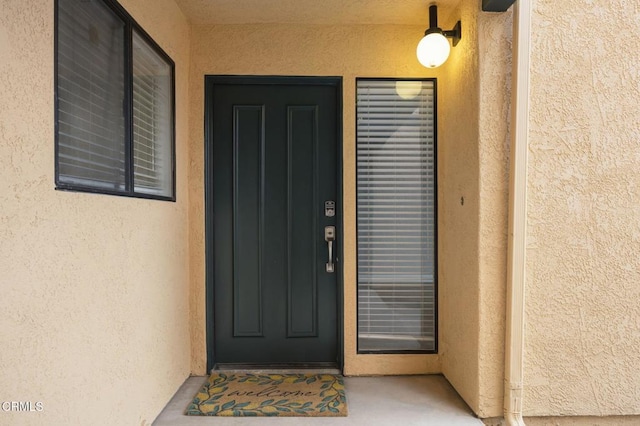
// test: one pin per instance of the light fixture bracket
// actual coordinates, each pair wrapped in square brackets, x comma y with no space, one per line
[454,34]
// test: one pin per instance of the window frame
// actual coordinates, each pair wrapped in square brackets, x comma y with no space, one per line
[130,25]
[435,201]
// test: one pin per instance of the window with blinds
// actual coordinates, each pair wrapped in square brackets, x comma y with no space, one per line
[396,215]
[114,104]
[152,120]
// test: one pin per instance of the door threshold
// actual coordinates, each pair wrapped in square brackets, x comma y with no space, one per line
[288,368]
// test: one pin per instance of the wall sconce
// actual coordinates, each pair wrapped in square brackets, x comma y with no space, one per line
[433,50]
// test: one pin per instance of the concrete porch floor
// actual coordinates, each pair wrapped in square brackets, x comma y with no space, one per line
[397,400]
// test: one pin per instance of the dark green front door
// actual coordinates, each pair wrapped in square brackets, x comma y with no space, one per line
[273,181]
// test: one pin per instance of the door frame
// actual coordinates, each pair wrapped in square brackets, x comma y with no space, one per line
[210,82]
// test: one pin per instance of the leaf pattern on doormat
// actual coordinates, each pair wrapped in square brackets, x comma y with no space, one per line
[247,394]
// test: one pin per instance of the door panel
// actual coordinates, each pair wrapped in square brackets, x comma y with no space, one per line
[302,281]
[274,166]
[248,144]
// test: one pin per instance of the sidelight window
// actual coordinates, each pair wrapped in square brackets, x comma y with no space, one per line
[396,215]
[114,104]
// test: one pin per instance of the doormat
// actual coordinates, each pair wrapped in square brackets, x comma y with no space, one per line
[290,395]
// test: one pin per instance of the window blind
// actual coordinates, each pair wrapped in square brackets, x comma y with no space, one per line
[91,93]
[396,215]
[152,120]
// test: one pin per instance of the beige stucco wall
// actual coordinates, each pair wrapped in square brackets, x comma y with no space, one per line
[458,173]
[494,69]
[583,421]
[583,269]
[94,288]
[473,173]
[347,51]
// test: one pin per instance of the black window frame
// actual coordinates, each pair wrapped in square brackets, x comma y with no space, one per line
[130,26]
[435,349]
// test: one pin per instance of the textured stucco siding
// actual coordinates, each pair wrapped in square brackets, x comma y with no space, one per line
[458,195]
[583,269]
[94,288]
[494,65]
[583,421]
[473,180]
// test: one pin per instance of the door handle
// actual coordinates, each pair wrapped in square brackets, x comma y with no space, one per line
[329,237]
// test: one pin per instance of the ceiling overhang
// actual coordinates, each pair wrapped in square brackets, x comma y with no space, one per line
[314,12]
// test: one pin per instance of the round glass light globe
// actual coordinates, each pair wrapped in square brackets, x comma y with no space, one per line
[433,50]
